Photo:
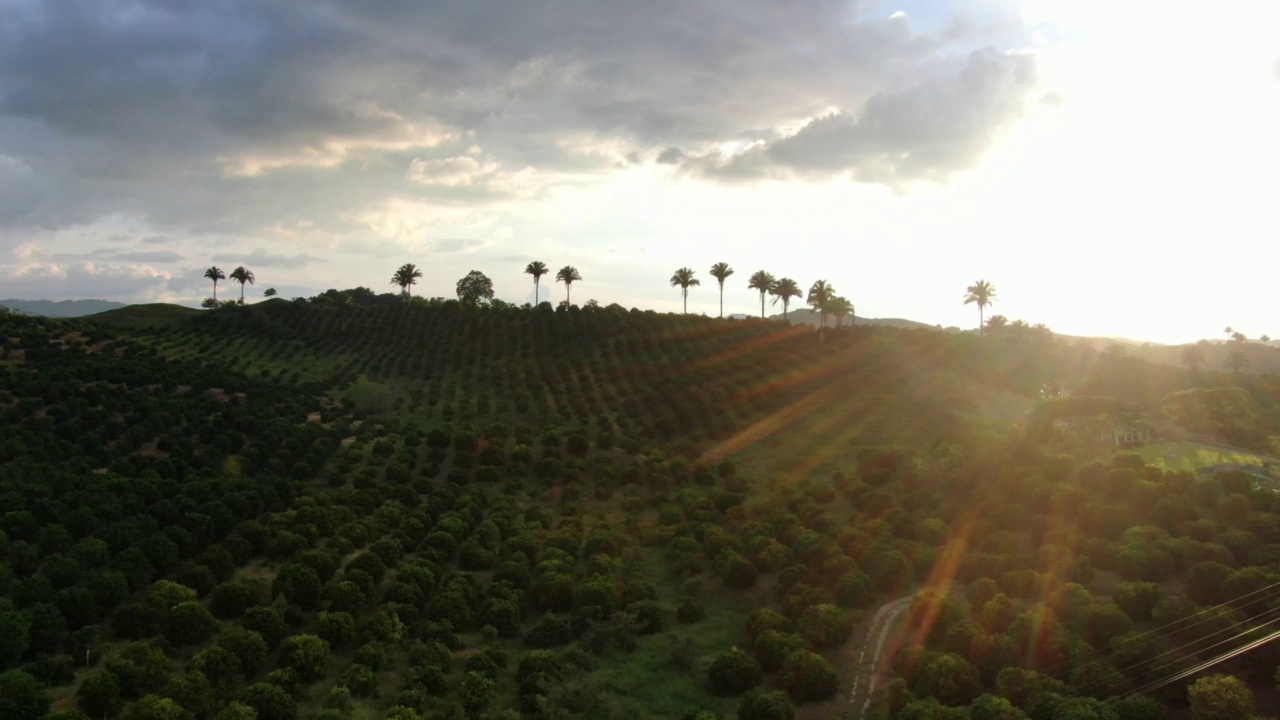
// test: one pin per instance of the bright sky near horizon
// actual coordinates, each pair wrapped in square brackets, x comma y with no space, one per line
[1110,167]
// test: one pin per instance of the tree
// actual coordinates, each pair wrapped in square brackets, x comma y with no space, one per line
[733,672]
[475,289]
[721,272]
[808,676]
[684,279]
[22,697]
[1193,357]
[820,295]
[406,276]
[1220,697]
[785,289]
[215,274]
[243,275]
[269,292]
[306,654]
[271,701]
[568,275]
[760,704]
[763,283]
[1229,331]
[981,293]
[154,707]
[840,307]
[537,269]
[189,623]
[1237,362]
[99,694]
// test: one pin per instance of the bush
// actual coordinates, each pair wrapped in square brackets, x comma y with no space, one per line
[758,704]
[733,672]
[824,625]
[807,676]
[690,611]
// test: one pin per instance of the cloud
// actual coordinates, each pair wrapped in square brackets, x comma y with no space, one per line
[670,156]
[1275,69]
[151,256]
[300,122]
[924,132]
[266,258]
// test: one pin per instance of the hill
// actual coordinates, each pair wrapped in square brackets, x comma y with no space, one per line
[150,315]
[61,308]
[404,510]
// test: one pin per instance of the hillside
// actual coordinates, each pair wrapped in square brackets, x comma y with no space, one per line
[329,510]
[61,308]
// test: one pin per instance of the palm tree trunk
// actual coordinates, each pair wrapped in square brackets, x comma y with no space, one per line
[535,292]
[684,292]
[980,321]
[721,300]
[215,291]
[761,304]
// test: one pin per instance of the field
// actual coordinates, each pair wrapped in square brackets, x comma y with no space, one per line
[1194,456]
[323,510]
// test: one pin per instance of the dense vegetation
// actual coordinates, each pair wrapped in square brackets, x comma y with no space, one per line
[350,507]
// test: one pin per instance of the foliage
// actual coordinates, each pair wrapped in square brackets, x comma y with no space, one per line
[475,289]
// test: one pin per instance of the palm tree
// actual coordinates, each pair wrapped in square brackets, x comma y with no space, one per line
[997,323]
[1228,330]
[684,278]
[568,275]
[243,275]
[406,277]
[840,307]
[721,271]
[764,282]
[215,274]
[784,290]
[819,298]
[983,293]
[537,269]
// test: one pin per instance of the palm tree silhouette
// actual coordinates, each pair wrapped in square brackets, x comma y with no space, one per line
[684,278]
[763,282]
[243,275]
[406,276]
[537,269]
[215,274]
[785,289]
[820,295]
[839,307]
[983,293]
[721,271]
[568,275]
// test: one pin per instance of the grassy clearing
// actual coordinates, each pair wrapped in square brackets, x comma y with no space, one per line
[1193,456]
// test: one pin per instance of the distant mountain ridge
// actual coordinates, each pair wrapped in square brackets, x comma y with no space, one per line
[807,315]
[61,308]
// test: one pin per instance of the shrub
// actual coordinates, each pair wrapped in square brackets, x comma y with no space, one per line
[807,676]
[733,672]
[758,704]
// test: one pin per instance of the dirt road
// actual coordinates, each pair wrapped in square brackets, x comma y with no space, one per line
[871,665]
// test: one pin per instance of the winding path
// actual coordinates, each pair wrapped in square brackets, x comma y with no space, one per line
[867,672]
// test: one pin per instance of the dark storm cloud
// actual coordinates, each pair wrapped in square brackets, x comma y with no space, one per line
[244,115]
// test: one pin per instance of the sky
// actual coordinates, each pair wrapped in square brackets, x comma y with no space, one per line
[1112,168]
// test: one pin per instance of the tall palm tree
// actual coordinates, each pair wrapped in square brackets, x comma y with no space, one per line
[721,271]
[839,307]
[537,269]
[785,289]
[215,274]
[983,293]
[406,277]
[568,275]
[763,282]
[243,275]
[819,298]
[685,279]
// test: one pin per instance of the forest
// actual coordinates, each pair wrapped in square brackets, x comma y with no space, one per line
[344,507]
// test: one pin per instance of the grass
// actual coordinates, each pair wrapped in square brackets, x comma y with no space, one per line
[1193,456]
